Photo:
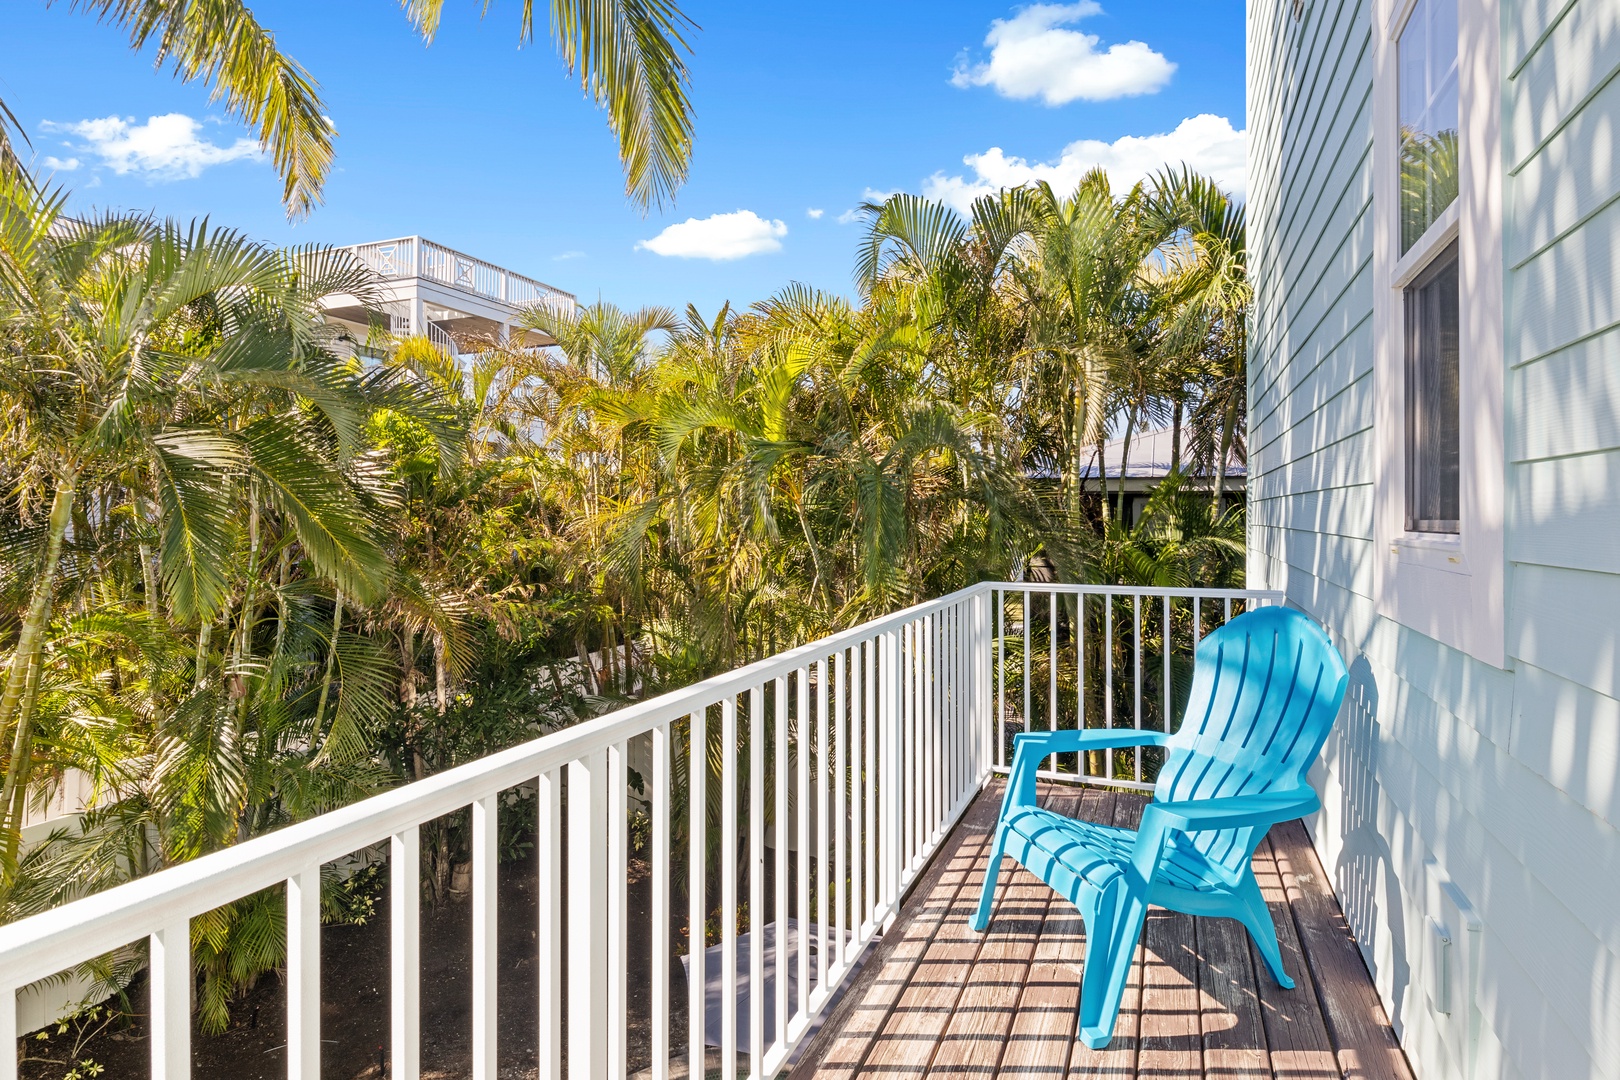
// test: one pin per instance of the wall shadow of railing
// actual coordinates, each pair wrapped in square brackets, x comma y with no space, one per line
[1364,872]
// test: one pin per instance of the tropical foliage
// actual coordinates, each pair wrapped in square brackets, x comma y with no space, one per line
[628,55]
[247,575]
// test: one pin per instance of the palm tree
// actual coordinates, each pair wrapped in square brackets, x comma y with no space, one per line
[168,374]
[627,54]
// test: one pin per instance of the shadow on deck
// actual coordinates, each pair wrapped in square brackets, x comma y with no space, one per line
[939,1000]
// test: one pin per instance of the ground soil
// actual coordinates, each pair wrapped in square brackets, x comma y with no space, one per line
[354,1000]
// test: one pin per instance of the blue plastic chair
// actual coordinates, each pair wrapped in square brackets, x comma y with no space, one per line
[1266,688]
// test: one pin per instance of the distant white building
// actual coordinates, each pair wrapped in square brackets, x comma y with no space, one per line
[434,291]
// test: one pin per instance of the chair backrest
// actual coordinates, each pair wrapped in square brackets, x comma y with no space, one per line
[1266,689]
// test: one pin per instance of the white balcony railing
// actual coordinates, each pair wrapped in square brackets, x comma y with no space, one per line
[412,256]
[853,755]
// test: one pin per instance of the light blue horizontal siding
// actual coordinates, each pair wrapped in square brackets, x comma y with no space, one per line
[1509,778]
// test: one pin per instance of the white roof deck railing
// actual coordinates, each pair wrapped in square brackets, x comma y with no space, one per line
[412,256]
[882,734]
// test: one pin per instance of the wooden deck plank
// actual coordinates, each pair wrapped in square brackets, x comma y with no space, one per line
[1234,1034]
[856,1023]
[1117,1061]
[910,1037]
[977,1035]
[1171,1044]
[1351,1010]
[1298,1040]
[1044,1027]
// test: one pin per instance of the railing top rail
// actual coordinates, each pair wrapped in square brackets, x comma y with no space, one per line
[430,245]
[1274,595]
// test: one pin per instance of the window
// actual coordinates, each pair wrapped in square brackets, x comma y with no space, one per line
[1439,563]
[1433,487]
[1427,114]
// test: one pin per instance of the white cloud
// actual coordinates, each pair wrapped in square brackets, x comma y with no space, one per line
[868,195]
[567,255]
[1031,55]
[814,213]
[58,164]
[718,236]
[166,147]
[1205,144]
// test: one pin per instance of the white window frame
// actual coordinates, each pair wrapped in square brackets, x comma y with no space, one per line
[1447,586]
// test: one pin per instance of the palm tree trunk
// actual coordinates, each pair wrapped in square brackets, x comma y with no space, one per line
[1124,464]
[331,665]
[1229,422]
[1102,474]
[441,676]
[1175,439]
[31,637]
[204,633]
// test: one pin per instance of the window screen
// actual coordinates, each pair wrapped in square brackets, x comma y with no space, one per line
[1433,480]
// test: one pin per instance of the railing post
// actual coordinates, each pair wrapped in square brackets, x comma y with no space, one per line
[170,990]
[549,879]
[304,975]
[485,860]
[404,914]
[8,1032]
[587,917]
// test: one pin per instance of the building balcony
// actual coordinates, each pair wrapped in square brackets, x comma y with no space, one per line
[830,805]
[435,291]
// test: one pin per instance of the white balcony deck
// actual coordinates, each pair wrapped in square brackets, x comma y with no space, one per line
[454,297]
[829,781]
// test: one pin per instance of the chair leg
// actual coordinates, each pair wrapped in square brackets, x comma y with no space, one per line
[1256,918]
[1112,931]
[992,873]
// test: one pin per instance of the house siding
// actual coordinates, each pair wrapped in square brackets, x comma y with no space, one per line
[1504,781]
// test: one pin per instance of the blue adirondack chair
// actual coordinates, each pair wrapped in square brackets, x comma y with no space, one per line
[1266,688]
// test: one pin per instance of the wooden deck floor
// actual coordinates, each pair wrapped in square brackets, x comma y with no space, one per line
[938,1000]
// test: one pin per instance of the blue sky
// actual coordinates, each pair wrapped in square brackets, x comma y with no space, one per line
[799,108]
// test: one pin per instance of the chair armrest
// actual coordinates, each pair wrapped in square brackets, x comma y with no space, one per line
[1233,811]
[1159,820]
[1030,748]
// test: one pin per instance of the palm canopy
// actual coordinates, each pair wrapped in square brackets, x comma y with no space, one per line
[628,55]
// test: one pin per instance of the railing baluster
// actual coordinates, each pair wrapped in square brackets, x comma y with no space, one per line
[874,886]
[1080,675]
[618,921]
[1001,677]
[1136,678]
[857,835]
[587,922]
[696,886]
[801,714]
[169,987]
[485,963]
[1052,659]
[728,885]
[756,882]
[548,884]
[779,907]
[1164,678]
[8,1034]
[1108,676]
[660,902]
[840,812]
[1198,621]
[405,952]
[823,892]
[304,974]
[1027,635]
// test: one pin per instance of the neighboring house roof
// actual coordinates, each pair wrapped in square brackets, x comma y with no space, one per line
[1150,457]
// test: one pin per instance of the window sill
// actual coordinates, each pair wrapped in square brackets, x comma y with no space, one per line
[1431,551]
